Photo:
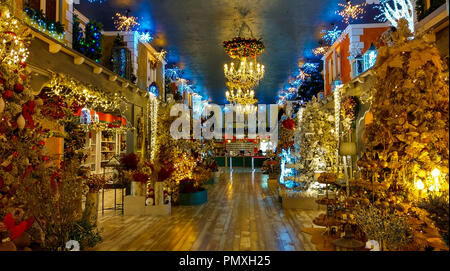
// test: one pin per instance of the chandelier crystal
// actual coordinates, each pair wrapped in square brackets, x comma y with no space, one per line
[247,75]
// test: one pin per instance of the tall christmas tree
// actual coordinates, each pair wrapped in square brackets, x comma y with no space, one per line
[406,145]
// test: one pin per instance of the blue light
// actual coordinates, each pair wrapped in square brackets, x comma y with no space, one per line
[145,37]
[310,68]
[154,89]
[331,35]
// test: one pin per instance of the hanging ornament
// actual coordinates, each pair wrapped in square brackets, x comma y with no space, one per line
[21,122]
[85,116]
[2,105]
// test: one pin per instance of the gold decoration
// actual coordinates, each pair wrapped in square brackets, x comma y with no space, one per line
[125,22]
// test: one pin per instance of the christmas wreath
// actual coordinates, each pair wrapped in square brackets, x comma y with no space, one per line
[241,47]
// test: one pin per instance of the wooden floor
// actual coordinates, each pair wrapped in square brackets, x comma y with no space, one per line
[242,214]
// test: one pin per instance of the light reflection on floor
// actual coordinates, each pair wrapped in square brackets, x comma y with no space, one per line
[242,213]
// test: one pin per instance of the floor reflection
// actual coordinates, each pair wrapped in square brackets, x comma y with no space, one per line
[242,213]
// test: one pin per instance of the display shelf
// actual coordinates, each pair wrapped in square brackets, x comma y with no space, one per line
[103,146]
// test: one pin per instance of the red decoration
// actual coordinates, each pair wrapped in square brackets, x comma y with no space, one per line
[18,88]
[8,94]
[27,112]
[288,124]
[140,177]
[8,168]
[17,230]
[165,173]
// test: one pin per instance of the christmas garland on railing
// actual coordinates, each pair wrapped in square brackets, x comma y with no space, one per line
[87,95]
[241,47]
[38,20]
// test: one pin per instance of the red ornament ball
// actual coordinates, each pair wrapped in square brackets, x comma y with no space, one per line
[8,94]
[18,88]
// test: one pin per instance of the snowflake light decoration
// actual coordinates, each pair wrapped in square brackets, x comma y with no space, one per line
[145,37]
[331,35]
[125,23]
[94,1]
[351,12]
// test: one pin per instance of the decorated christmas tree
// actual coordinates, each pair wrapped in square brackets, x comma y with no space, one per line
[407,145]
[21,138]
[93,40]
[317,140]
[175,159]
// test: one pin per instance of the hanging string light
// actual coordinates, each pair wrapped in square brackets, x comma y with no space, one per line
[90,96]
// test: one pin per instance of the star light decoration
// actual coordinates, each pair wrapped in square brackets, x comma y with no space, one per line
[351,12]
[125,23]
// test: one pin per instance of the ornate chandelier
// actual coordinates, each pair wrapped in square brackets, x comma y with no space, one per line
[241,96]
[244,72]
[247,75]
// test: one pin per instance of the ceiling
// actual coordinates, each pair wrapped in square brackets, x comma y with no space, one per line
[192,31]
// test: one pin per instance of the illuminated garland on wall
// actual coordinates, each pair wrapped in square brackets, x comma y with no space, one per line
[154,126]
[90,96]
[337,118]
